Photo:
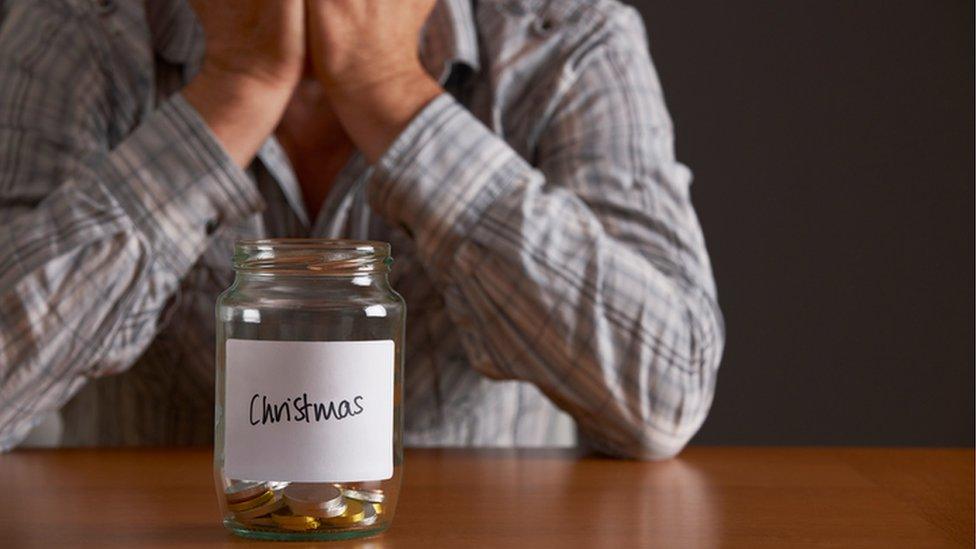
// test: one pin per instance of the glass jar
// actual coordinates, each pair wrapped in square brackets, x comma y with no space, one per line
[308,439]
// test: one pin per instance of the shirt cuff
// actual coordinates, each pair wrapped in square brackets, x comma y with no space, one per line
[440,176]
[177,184]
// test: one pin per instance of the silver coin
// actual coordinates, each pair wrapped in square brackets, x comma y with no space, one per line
[369,515]
[278,485]
[372,496]
[316,500]
[321,513]
[333,510]
[243,490]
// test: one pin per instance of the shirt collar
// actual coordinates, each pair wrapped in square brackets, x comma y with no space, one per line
[176,34]
[450,37]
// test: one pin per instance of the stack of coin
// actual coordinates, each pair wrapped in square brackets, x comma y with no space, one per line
[302,507]
[372,500]
[252,501]
[239,491]
[372,503]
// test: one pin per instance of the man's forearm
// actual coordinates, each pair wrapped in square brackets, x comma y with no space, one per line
[240,112]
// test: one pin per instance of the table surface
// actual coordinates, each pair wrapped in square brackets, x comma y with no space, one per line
[739,497]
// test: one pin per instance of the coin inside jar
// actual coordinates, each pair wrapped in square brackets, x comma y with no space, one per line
[272,505]
[355,512]
[240,491]
[315,500]
[289,521]
[372,496]
[266,522]
[265,497]
[369,514]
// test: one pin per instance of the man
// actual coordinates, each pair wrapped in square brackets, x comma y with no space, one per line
[517,154]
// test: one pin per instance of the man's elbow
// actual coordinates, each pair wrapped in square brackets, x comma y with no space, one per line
[657,443]
[665,430]
[649,440]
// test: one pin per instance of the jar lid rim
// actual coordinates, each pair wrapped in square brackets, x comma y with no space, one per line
[337,257]
[337,244]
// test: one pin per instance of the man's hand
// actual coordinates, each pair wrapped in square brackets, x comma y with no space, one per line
[365,54]
[254,59]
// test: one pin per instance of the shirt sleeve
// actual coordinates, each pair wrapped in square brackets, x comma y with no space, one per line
[94,239]
[585,272]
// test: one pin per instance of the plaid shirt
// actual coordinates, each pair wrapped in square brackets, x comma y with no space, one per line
[547,248]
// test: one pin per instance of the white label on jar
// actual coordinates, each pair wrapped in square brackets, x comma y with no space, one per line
[309,411]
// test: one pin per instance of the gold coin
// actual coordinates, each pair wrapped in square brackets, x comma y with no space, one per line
[260,521]
[267,496]
[255,512]
[310,526]
[354,513]
[289,521]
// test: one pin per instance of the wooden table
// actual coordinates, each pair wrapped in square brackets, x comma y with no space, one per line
[740,497]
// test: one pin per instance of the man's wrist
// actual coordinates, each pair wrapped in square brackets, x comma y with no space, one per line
[374,115]
[241,111]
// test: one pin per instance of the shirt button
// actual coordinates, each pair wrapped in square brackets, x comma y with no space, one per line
[105,7]
[542,26]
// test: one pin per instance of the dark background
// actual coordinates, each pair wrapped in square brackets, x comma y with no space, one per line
[833,150]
